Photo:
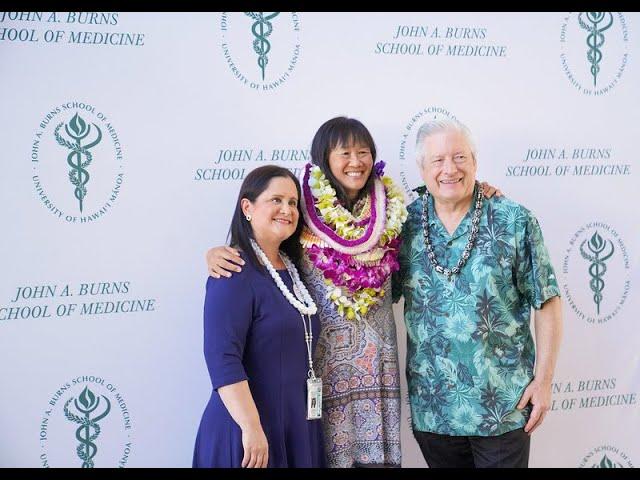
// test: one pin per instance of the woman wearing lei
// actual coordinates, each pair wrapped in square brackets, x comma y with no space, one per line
[353,218]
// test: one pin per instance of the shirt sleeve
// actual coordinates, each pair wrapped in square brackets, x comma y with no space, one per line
[535,276]
[228,315]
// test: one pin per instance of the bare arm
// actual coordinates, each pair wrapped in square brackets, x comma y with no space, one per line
[221,261]
[548,325]
[239,402]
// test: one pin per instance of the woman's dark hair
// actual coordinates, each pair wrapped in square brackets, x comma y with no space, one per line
[341,131]
[241,231]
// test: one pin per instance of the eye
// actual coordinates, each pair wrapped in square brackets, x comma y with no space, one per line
[275,200]
[293,203]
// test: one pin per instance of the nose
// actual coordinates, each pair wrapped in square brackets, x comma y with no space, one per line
[285,208]
[449,166]
[353,158]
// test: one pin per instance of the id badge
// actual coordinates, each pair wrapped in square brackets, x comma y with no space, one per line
[314,398]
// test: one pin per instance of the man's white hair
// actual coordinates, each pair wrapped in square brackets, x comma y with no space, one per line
[432,127]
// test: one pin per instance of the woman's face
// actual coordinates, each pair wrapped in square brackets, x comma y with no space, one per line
[274,214]
[351,165]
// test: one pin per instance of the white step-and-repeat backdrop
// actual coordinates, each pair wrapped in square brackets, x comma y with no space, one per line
[125,137]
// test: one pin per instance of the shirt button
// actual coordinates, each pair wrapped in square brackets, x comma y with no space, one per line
[449,243]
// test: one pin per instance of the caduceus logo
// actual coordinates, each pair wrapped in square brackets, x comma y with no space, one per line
[261,29]
[599,22]
[597,246]
[87,403]
[607,463]
[78,130]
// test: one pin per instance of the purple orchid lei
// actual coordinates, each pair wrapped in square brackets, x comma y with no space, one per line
[344,271]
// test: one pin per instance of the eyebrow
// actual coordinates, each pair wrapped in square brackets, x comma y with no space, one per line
[279,195]
[359,147]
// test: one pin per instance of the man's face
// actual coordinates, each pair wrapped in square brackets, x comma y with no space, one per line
[448,168]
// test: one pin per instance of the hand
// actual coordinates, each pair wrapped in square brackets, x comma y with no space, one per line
[490,191]
[221,261]
[539,395]
[256,448]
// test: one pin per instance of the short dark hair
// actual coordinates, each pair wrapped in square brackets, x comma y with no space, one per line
[241,231]
[341,131]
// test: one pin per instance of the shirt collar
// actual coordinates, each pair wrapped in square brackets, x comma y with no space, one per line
[434,221]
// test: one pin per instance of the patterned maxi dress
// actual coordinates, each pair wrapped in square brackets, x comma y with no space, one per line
[358,363]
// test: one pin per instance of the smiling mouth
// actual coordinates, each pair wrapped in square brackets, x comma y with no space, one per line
[282,220]
[354,174]
[450,182]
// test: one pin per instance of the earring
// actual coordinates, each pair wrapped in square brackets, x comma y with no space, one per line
[248,217]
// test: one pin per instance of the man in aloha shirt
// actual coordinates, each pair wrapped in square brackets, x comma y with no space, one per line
[474,394]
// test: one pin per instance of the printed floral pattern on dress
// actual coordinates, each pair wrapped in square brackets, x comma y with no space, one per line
[358,362]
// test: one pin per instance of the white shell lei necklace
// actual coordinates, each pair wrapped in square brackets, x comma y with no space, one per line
[308,307]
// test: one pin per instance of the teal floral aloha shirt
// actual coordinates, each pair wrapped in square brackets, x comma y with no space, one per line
[470,352]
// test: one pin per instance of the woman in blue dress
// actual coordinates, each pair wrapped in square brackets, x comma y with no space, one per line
[260,330]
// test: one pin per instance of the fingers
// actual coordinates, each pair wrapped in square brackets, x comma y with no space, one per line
[235,253]
[213,271]
[221,261]
[538,423]
[253,460]
[533,419]
[490,191]
[212,268]
[223,268]
[229,261]
[256,457]
[262,460]
[255,447]
[537,414]
[227,265]
[526,396]
[538,394]
[249,459]
[217,272]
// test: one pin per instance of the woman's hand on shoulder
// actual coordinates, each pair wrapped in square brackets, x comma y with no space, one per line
[490,190]
[221,261]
